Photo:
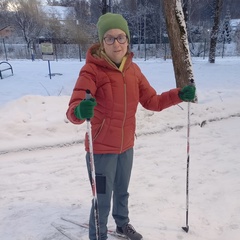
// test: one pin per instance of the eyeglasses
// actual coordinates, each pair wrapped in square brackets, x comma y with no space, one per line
[110,40]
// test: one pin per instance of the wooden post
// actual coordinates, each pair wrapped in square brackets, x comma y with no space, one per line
[5,50]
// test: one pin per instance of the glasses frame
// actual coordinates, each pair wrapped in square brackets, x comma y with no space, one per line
[116,38]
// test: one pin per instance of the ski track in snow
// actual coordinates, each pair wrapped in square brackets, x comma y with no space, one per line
[142,128]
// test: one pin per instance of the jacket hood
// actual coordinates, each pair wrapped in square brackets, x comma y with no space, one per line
[96,55]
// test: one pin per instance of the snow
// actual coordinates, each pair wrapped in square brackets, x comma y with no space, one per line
[234,23]
[43,171]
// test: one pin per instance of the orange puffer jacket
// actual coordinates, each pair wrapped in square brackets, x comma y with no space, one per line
[117,94]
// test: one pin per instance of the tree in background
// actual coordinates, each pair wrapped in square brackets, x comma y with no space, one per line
[28,19]
[104,6]
[95,10]
[53,2]
[237,36]
[82,10]
[217,7]
[226,28]
[178,39]
[53,28]
[226,31]
[4,14]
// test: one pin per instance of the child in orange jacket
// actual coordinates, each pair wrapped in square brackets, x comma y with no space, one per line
[117,85]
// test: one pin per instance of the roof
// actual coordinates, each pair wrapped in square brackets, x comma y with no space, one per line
[6,31]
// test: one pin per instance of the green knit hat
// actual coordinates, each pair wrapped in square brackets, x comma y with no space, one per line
[111,21]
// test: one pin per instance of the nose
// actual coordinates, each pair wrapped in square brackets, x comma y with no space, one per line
[116,41]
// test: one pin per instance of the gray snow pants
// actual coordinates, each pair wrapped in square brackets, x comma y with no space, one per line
[113,173]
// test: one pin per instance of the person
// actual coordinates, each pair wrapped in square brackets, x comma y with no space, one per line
[117,86]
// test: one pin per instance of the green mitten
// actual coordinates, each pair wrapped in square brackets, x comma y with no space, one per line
[85,109]
[187,93]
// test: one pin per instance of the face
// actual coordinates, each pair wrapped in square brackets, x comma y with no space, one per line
[115,51]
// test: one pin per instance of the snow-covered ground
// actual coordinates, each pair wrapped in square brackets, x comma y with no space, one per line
[42,158]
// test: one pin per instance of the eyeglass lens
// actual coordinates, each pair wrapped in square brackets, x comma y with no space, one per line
[110,39]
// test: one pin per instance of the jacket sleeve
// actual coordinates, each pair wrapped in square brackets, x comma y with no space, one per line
[150,100]
[86,80]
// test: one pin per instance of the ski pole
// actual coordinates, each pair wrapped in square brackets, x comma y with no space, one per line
[93,174]
[186,228]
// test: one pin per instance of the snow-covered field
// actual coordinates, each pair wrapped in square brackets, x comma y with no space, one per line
[42,158]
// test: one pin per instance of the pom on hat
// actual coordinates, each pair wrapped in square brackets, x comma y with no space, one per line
[111,21]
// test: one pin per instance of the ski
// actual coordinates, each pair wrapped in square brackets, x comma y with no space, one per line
[65,231]
[85,225]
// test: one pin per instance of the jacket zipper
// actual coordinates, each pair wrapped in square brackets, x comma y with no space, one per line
[125,112]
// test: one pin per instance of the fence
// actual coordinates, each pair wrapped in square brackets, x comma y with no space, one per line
[75,51]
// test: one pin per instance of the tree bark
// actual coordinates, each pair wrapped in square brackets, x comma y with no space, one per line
[215,29]
[104,6]
[178,39]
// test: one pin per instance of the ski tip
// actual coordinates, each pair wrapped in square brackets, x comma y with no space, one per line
[185,229]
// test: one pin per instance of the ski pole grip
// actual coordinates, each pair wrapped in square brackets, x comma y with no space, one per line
[191,82]
[88,94]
